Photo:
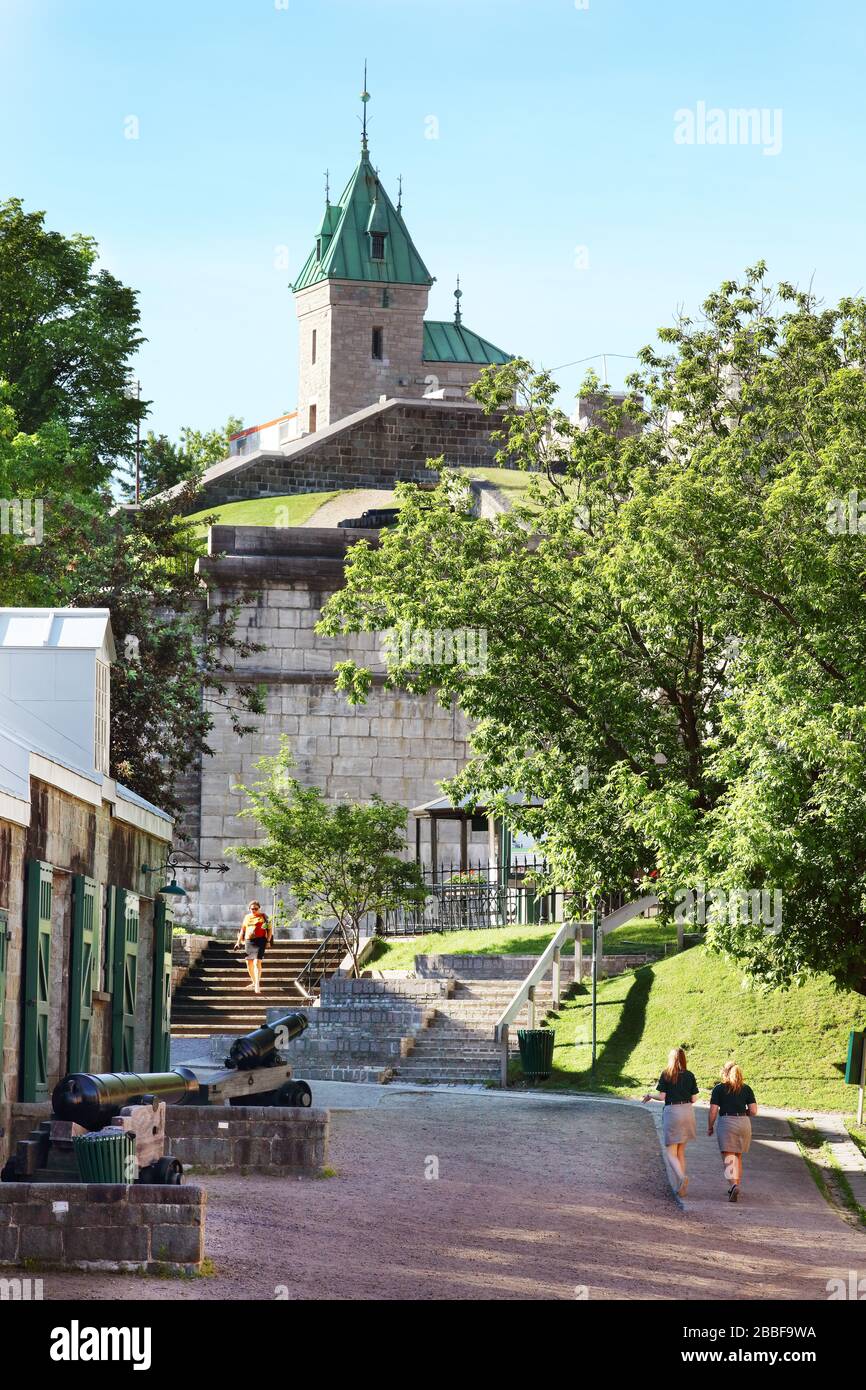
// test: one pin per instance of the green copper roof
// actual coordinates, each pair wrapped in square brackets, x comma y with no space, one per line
[451,342]
[345,241]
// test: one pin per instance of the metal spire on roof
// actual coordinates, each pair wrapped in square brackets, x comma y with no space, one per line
[458,295]
[400,193]
[365,97]
[327,188]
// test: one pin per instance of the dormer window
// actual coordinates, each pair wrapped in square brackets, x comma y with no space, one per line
[377,246]
[318,248]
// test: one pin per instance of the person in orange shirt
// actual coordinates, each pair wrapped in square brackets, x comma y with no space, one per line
[256,933]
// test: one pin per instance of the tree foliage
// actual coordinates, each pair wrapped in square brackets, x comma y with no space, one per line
[669,610]
[68,331]
[175,651]
[341,861]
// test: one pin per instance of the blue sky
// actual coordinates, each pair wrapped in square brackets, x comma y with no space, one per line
[555,132]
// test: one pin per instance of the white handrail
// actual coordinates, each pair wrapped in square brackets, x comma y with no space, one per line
[569,931]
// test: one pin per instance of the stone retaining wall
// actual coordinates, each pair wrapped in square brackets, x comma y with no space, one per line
[244,1138]
[185,951]
[103,1226]
[470,968]
[277,1140]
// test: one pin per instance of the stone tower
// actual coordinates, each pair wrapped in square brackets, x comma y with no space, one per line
[361,299]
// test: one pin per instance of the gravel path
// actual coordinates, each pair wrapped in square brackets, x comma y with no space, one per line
[534,1199]
[350,504]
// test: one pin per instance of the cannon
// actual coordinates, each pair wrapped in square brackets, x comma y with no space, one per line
[259,1048]
[254,1073]
[96,1102]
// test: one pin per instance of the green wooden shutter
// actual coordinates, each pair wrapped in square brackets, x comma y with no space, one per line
[160,1024]
[37,993]
[4,948]
[125,980]
[81,972]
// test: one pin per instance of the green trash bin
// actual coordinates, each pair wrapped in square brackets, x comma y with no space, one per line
[536,1051]
[108,1156]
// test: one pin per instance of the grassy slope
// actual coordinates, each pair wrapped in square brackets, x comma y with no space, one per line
[509,941]
[791,1044]
[267,511]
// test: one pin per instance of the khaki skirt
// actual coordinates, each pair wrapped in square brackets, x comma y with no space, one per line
[734,1133]
[678,1124]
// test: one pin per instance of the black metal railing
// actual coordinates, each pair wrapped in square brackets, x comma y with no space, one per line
[483,895]
[317,967]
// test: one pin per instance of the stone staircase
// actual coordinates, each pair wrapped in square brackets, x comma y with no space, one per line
[436,1027]
[212,998]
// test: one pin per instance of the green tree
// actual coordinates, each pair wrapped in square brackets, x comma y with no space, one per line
[669,610]
[341,861]
[67,334]
[164,464]
[175,651]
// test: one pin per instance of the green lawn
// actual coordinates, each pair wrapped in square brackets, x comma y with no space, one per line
[267,511]
[498,941]
[791,1044]
[507,941]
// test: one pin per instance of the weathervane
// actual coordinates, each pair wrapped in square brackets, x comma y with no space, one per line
[458,295]
[365,97]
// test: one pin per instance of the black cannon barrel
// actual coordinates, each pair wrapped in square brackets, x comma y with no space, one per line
[257,1049]
[92,1098]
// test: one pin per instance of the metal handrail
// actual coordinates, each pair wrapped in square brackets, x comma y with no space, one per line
[569,931]
[308,968]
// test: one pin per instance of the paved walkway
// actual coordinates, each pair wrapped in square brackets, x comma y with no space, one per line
[350,504]
[448,1194]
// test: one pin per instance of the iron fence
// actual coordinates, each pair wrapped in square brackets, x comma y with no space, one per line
[489,895]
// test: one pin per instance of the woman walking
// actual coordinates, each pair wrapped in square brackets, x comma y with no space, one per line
[677,1087]
[256,933]
[732,1104]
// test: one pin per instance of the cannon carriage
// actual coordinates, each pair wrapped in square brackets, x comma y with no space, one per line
[107,1104]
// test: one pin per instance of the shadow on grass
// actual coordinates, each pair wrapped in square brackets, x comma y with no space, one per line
[615,1051]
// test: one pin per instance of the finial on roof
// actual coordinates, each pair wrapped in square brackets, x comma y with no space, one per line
[365,97]
[458,295]
[327,188]
[400,193]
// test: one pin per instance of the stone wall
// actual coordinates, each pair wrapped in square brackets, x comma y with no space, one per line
[74,837]
[397,745]
[345,376]
[103,1226]
[281,1141]
[388,443]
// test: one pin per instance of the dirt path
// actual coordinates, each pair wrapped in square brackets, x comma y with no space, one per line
[350,504]
[534,1199]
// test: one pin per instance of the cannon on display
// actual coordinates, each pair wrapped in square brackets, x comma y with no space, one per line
[105,1102]
[254,1073]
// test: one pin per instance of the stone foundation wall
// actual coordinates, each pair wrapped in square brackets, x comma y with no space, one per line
[245,1138]
[389,443]
[280,1141]
[103,1226]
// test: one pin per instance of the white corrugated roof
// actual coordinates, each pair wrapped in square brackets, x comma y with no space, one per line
[80,629]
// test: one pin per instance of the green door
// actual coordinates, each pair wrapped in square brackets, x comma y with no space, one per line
[4,947]
[37,962]
[81,972]
[160,1024]
[124,988]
